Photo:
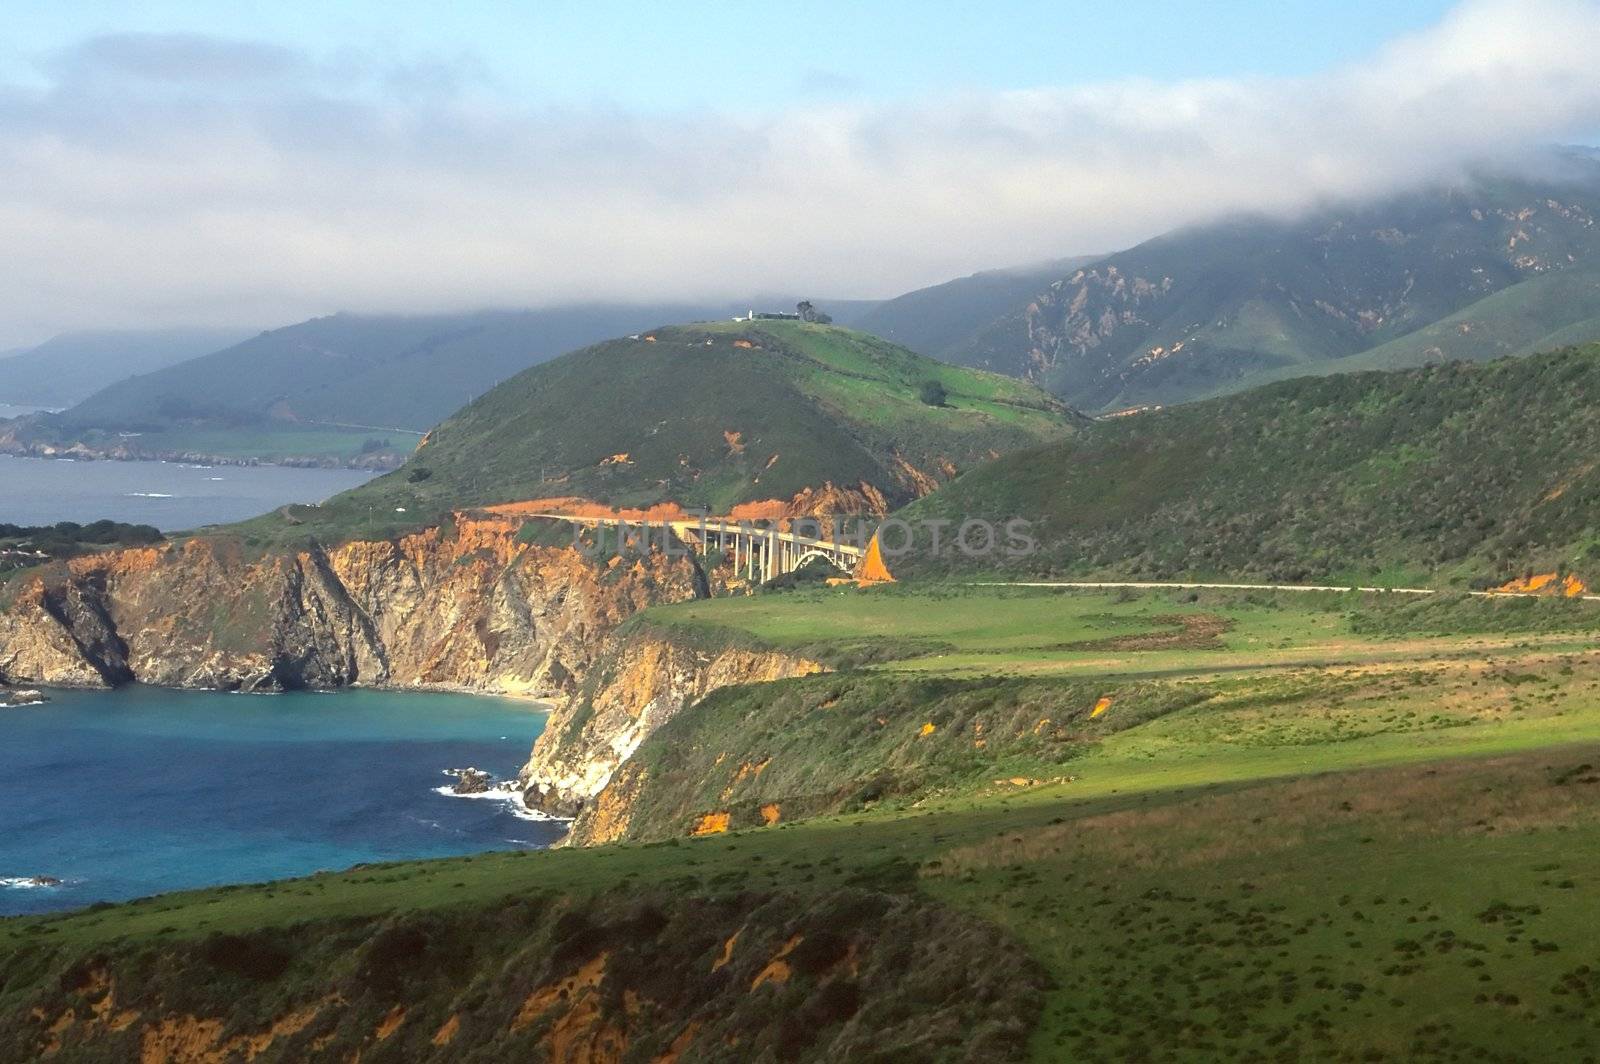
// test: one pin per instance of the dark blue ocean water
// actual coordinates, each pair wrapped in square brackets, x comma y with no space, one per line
[126,793]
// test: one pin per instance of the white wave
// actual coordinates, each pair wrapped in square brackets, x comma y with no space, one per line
[30,882]
[148,495]
[507,793]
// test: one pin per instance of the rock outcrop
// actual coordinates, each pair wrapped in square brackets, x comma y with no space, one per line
[642,680]
[466,606]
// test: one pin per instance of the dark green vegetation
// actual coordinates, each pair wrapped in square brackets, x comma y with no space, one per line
[642,970]
[1218,308]
[69,368]
[25,545]
[1464,474]
[1299,842]
[705,416]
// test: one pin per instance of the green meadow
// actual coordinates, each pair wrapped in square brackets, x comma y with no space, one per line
[1325,827]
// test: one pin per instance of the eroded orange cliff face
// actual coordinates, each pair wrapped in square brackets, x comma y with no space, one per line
[464,606]
[643,680]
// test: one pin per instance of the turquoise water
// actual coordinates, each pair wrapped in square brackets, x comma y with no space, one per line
[121,794]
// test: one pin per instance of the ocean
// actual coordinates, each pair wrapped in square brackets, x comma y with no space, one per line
[170,495]
[121,794]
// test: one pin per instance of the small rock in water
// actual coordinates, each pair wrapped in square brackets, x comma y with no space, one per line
[22,696]
[43,881]
[470,780]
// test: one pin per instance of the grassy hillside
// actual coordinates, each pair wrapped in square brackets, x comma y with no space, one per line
[1210,309]
[942,319]
[706,416]
[69,368]
[1333,835]
[1540,314]
[1452,473]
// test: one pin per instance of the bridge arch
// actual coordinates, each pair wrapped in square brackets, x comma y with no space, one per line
[827,556]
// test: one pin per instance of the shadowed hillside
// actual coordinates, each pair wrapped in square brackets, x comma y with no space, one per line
[1463,472]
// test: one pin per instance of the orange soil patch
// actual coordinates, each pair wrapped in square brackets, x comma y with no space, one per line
[927,729]
[727,950]
[777,969]
[749,770]
[771,813]
[1100,707]
[1569,586]
[580,983]
[390,1023]
[734,440]
[679,1044]
[711,824]
[447,1033]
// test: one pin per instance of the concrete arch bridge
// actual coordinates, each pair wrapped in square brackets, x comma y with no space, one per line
[759,553]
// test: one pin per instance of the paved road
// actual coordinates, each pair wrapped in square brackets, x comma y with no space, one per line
[1092,584]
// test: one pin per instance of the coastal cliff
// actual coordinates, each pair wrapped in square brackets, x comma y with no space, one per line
[469,605]
[641,681]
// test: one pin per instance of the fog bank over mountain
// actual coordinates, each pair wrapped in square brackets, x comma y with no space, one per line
[157,180]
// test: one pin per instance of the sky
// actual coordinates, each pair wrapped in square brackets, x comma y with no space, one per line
[256,164]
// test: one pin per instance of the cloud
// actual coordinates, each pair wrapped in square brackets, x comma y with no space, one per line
[161,180]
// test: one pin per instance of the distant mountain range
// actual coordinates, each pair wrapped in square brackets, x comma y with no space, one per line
[1491,267]
[69,368]
[1498,266]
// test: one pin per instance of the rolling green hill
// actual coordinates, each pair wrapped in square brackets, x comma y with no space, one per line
[345,388]
[709,416]
[1540,314]
[1212,309]
[1452,473]
[385,372]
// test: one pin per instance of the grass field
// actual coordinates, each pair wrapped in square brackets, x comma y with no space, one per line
[277,445]
[1367,830]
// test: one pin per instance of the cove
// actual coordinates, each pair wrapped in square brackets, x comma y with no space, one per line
[125,793]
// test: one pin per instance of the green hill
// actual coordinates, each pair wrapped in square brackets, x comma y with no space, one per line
[709,416]
[1211,309]
[388,372]
[1540,314]
[1454,473]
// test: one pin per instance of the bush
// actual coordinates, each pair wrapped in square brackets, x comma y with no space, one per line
[932,393]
